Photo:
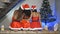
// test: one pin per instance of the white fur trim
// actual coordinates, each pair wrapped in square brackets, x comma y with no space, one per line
[34,8]
[22,7]
[27,8]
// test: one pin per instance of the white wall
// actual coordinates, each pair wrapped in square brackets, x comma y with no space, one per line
[7,19]
[58,9]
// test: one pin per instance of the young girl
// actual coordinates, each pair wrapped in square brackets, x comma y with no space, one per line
[36,22]
[16,18]
[25,22]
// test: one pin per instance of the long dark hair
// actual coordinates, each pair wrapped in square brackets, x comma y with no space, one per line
[27,13]
[35,10]
[18,14]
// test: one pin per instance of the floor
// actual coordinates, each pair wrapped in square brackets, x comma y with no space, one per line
[29,32]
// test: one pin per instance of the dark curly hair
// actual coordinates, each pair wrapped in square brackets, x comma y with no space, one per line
[34,10]
[27,13]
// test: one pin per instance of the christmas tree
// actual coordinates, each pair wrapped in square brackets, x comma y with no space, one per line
[46,12]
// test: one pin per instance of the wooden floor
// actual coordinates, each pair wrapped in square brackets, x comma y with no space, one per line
[29,32]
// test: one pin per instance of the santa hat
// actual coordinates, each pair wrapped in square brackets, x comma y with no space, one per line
[25,7]
[33,7]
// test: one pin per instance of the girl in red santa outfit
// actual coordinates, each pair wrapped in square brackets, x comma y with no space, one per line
[24,22]
[36,23]
[26,11]
[16,19]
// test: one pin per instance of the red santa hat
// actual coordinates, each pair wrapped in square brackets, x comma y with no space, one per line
[25,6]
[33,7]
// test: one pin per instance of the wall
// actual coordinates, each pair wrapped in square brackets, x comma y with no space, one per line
[58,11]
[7,19]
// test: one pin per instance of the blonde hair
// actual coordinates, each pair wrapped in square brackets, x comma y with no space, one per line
[35,14]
